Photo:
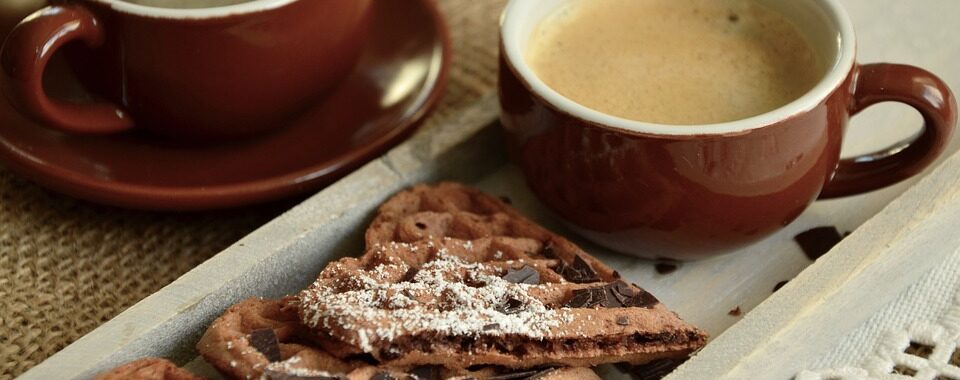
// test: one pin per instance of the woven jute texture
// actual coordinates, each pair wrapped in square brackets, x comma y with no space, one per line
[66,266]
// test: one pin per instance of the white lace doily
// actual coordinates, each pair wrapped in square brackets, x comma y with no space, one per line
[915,337]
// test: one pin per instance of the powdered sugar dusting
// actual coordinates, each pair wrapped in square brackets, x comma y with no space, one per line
[447,296]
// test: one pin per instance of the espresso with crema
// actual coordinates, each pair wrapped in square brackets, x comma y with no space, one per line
[677,62]
[183,4]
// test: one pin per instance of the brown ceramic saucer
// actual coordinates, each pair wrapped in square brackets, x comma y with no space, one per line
[399,77]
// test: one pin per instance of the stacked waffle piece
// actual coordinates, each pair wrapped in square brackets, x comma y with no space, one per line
[453,284]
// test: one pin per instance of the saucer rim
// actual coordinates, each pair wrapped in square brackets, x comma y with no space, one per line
[243,192]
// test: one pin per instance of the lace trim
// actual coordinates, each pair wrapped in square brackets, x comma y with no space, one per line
[923,351]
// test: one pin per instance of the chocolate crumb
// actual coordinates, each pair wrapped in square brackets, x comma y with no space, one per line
[492,326]
[421,225]
[733,17]
[735,312]
[382,376]
[409,275]
[506,199]
[818,241]
[665,268]
[547,251]
[580,272]
[425,373]
[265,341]
[525,275]
[585,298]
[616,274]
[512,306]
[656,369]
[642,299]
[623,320]
[780,285]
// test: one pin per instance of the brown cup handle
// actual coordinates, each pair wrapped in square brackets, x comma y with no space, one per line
[24,59]
[915,87]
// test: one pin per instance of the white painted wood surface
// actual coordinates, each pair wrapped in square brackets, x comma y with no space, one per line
[285,254]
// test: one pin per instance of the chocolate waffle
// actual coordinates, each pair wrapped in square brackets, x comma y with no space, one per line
[262,339]
[148,369]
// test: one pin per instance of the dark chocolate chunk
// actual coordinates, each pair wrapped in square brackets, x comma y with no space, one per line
[616,274]
[583,298]
[665,268]
[429,372]
[420,225]
[547,251]
[818,241]
[277,375]
[512,306]
[525,275]
[580,272]
[623,320]
[735,312]
[492,326]
[618,293]
[382,376]
[409,275]
[265,341]
[780,285]
[656,369]
[642,299]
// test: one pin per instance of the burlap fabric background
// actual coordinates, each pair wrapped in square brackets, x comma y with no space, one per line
[66,266]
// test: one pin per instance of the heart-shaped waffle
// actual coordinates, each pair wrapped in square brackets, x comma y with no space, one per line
[263,339]
[456,278]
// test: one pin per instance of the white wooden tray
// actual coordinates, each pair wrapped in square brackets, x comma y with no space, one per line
[838,292]
[285,255]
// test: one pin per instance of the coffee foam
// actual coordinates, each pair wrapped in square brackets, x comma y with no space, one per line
[674,62]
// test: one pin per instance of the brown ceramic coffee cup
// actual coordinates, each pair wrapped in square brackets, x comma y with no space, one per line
[194,73]
[694,191]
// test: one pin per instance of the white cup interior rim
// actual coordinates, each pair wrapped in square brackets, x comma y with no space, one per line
[195,13]
[509,30]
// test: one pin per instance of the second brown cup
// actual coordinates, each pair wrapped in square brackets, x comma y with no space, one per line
[690,192]
[193,73]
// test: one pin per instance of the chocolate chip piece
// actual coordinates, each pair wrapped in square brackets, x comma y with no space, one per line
[492,326]
[780,285]
[425,373]
[623,320]
[656,369]
[382,376]
[409,275]
[580,272]
[420,225]
[525,275]
[818,241]
[512,306]
[665,268]
[735,312]
[617,293]
[583,298]
[265,341]
[547,251]
[642,299]
[616,274]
